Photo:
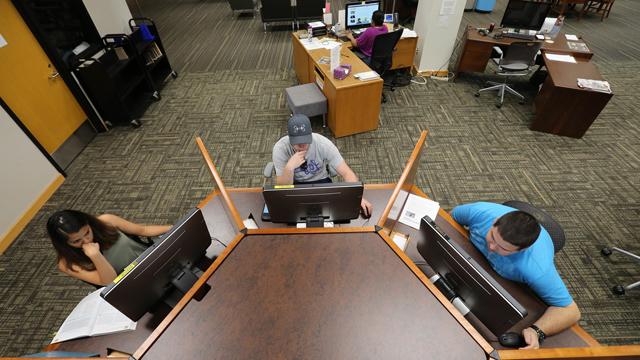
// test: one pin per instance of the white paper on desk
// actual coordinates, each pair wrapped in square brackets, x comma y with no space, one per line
[312,44]
[571,37]
[558,57]
[93,316]
[329,43]
[547,26]
[400,241]
[406,33]
[416,208]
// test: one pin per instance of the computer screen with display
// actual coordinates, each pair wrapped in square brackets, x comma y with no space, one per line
[313,203]
[358,14]
[525,14]
[479,291]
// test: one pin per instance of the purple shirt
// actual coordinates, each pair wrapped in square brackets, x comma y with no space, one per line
[365,40]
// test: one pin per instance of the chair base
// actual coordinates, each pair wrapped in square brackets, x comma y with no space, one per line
[621,289]
[501,88]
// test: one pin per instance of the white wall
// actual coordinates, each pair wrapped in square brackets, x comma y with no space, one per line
[109,16]
[437,27]
[25,174]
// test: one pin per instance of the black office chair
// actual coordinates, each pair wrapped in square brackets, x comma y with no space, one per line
[382,56]
[516,60]
[548,223]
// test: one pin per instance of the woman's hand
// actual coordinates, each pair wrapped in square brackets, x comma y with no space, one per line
[91,249]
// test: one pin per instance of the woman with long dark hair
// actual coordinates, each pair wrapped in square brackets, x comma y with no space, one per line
[96,249]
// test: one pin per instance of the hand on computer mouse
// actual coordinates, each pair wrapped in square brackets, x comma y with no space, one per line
[365,208]
[512,340]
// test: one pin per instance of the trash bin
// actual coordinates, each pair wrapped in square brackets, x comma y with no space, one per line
[470,5]
[485,5]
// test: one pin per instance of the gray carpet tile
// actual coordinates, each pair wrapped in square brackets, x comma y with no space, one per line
[475,151]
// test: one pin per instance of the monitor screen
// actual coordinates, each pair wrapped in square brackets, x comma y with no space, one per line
[482,294]
[298,203]
[149,278]
[358,14]
[525,14]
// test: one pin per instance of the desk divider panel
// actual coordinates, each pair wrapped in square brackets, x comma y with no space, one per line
[227,200]
[403,187]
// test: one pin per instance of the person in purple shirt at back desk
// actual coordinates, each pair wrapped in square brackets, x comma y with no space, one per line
[364,42]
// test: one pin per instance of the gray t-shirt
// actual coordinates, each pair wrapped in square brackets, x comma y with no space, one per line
[321,152]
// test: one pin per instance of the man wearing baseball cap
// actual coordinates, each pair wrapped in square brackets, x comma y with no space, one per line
[301,157]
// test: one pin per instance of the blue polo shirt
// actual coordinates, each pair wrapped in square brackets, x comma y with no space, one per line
[532,266]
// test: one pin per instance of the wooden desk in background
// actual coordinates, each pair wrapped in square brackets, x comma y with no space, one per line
[353,105]
[562,108]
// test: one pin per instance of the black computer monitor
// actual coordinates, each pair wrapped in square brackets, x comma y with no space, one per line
[480,292]
[161,268]
[358,14]
[313,203]
[525,14]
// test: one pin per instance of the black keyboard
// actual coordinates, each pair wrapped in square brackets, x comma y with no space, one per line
[519,36]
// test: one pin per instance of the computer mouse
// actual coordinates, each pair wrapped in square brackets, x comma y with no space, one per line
[366,216]
[512,340]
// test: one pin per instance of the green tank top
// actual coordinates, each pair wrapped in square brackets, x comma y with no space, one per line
[123,252]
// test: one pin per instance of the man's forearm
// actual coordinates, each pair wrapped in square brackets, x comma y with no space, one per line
[286,178]
[556,319]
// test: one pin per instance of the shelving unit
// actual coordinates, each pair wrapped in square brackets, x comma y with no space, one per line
[127,74]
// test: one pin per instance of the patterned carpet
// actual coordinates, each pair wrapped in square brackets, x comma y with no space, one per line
[475,152]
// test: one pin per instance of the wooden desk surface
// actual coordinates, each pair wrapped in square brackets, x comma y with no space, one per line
[315,296]
[346,57]
[564,74]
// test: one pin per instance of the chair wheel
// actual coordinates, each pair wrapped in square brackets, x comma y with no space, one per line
[618,290]
[521,102]
[606,251]
[498,105]
[174,74]
[476,94]
[135,123]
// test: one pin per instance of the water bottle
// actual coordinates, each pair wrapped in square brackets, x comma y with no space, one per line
[309,32]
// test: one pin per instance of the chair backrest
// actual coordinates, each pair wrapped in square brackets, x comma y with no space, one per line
[548,223]
[309,9]
[520,53]
[242,4]
[276,10]
[382,51]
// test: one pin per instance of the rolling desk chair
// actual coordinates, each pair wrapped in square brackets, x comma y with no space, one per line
[382,55]
[602,7]
[517,60]
[620,289]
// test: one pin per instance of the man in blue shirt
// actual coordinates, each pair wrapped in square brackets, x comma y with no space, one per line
[519,249]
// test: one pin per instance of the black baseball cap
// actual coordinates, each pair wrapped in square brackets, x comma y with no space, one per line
[299,129]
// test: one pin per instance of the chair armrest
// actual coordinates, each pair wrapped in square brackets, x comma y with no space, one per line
[268,169]
[499,51]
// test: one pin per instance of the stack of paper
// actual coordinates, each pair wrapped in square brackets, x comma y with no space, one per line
[595,85]
[563,58]
[93,316]
[367,75]
[311,44]
[406,33]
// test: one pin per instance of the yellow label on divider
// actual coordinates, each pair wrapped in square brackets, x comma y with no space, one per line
[283,186]
[125,272]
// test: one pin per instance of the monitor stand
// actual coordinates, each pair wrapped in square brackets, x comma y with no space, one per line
[315,221]
[182,282]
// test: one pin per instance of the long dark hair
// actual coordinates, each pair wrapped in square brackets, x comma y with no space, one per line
[65,222]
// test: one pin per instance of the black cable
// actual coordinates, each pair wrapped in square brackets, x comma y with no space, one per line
[216,239]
